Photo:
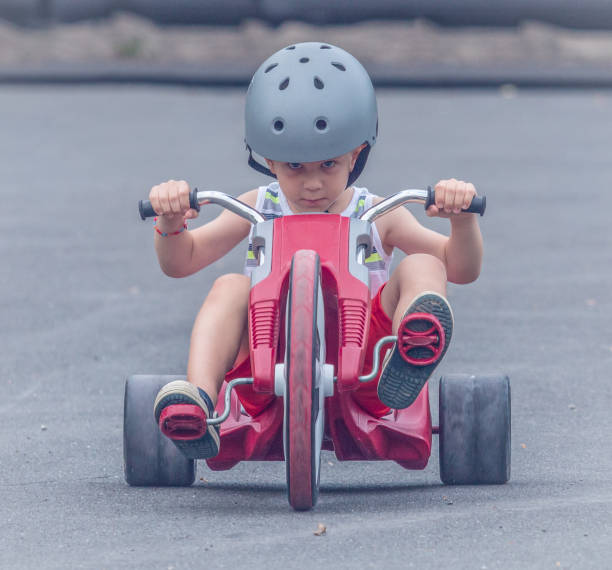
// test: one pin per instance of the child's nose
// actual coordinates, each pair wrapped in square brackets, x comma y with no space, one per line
[312,182]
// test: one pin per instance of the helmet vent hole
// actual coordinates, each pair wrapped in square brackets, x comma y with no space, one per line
[270,67]
[338,66]
[284,84]
[304,60]
[278,125]
[318,83]
[290,47]
[325,47]
[321,124]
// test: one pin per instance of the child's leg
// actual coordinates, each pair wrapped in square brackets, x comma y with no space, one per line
[219,333]
[219,336]
[415,274]
[422,319]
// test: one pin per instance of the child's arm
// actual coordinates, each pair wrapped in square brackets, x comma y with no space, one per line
[461,252]
[186,252]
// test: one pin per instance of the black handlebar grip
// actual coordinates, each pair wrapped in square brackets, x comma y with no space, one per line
[193,200]
[478,205]
[146,210]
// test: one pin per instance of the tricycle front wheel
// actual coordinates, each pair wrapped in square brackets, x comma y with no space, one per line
[303,421]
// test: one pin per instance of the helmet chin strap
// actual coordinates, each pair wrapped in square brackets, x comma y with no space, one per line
[359,164]
[257,165]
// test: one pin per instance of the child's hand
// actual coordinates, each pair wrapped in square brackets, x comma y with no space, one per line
[451,197]
[171,199]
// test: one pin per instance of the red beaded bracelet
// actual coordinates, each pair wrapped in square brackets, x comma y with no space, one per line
[166,234]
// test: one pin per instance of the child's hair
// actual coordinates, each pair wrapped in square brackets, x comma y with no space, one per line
[310,102]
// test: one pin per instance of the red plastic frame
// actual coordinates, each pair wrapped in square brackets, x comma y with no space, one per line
[403,436]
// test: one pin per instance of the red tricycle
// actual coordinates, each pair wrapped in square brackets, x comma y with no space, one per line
[308,323]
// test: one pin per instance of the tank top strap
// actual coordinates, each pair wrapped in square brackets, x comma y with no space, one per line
[360,202]
[269,201]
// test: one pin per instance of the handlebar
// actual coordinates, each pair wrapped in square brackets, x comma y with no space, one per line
[197,199]
[426,197]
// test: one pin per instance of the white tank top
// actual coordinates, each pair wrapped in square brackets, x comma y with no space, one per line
[271,202]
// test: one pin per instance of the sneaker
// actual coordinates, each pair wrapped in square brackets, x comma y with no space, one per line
[423,337]
[181,410]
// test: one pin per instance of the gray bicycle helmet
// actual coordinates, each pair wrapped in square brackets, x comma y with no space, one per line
[310,102]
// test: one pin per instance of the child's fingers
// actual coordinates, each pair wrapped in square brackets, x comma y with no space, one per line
[178,196]
[183,190]
[174,199]
[154,199]
[459,197]
[450,192]
[432,211]
[171,198]
[159,200]
[440,193]
[470,192]
[464,196]
[164,199]
[451,197]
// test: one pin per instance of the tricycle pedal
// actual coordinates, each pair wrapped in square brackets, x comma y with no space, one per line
[421,339]
[183,422]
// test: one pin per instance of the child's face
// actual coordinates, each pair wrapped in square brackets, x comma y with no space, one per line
[314,186]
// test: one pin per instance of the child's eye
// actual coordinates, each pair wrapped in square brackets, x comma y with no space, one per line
[294,165]
[329,164]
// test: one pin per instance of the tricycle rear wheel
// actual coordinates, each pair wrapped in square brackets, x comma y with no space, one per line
[150,458]
[474,429]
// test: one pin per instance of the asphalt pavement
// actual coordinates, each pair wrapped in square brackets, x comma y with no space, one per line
[84,304]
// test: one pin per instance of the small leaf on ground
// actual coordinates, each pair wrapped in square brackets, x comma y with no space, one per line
[321,530]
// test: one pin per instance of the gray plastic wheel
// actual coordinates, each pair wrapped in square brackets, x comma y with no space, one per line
[474,429]
[150,458]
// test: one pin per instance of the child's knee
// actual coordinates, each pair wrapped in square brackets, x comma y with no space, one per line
[420,263]
[232,284]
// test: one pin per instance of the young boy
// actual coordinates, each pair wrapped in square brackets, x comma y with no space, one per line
[311,112]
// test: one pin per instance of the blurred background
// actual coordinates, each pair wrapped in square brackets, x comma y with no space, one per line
[401,42]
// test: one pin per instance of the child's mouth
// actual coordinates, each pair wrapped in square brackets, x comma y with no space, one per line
[313,202]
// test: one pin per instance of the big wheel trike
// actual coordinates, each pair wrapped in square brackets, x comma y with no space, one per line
[308,323]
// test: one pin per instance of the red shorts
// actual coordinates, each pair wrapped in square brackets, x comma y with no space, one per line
[366,395]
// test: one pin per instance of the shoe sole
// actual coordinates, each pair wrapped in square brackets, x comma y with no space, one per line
[401,382]
[181,392]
